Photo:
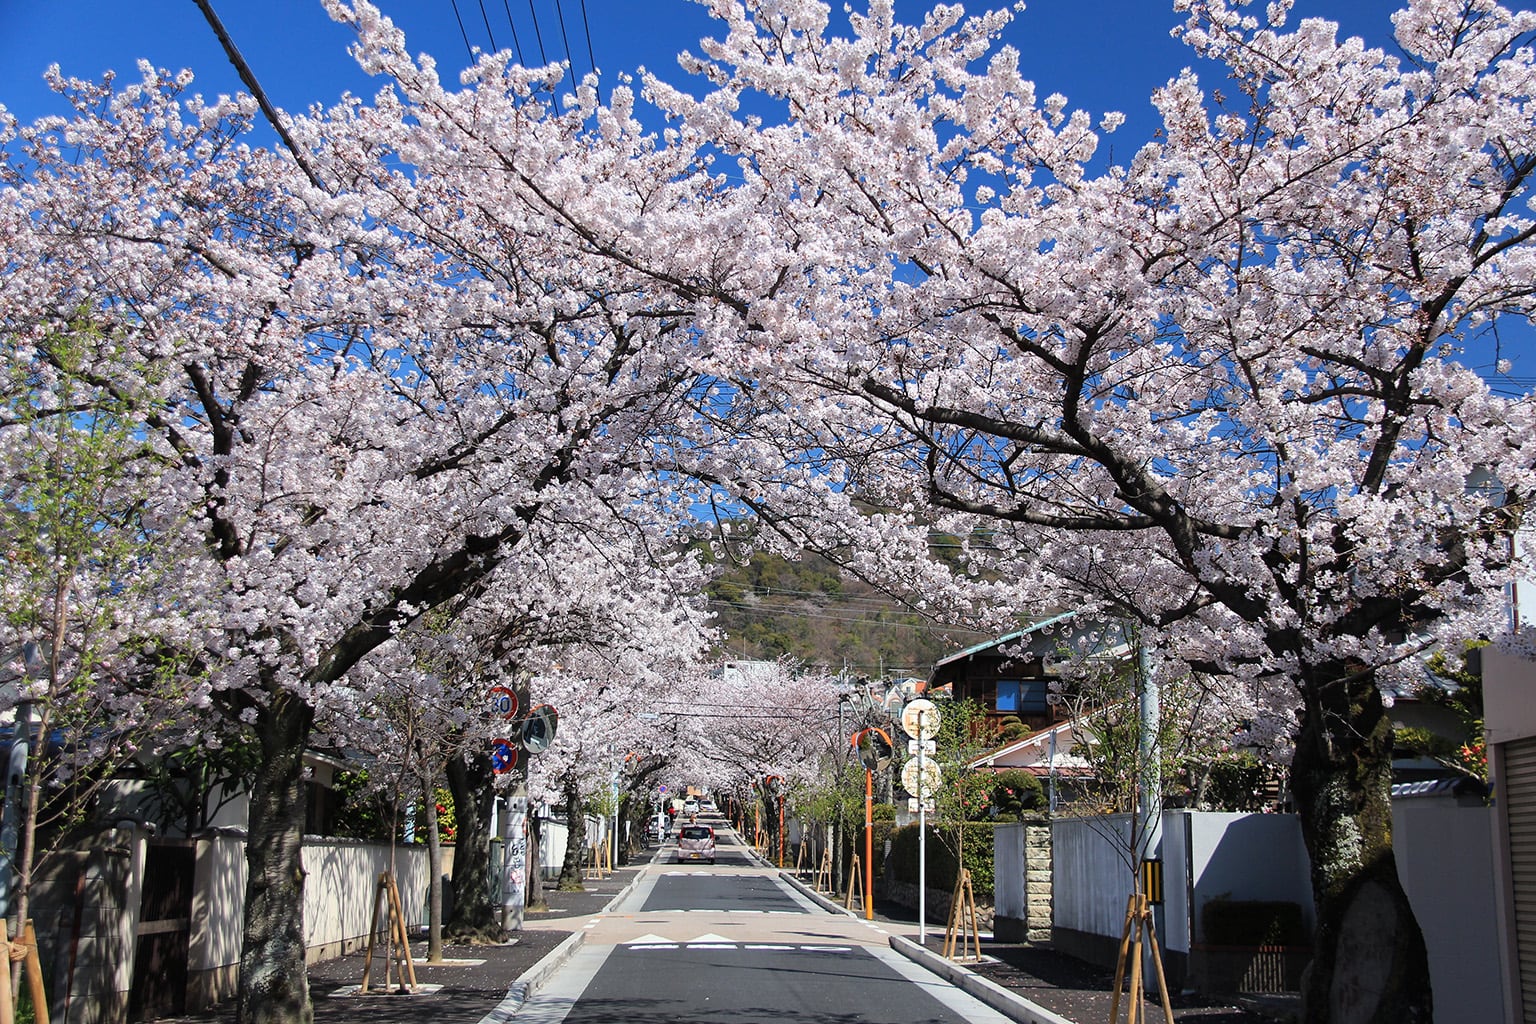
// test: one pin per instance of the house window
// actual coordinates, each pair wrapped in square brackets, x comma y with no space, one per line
[1023,696]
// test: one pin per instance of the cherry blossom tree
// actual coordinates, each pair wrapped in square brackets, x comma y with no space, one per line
[357,422]
[1218,389]
[1223,389]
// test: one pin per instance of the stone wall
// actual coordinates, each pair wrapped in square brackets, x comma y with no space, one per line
[1037,880]
[1022,854]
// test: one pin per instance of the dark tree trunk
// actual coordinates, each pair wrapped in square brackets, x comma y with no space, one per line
[576,837]
[474,916]
[1369,964]
[273,985]
[536,900]
[435,874]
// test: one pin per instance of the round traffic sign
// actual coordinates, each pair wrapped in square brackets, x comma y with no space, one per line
[929,778]
[920,719]
[503,757]
[503,702]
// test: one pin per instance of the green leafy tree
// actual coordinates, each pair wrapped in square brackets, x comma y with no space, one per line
[89,675]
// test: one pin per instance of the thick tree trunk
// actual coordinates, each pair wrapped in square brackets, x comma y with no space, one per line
[273,986]
[576,838]
[626,833]
[1369,964]
[474,917]
[536,900]
[435,875]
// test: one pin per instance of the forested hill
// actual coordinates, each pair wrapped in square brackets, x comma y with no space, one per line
[807,609]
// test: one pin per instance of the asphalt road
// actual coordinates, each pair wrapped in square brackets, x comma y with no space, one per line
[732,944]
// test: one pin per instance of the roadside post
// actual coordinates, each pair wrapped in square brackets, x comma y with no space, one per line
[921,777]
[874,748]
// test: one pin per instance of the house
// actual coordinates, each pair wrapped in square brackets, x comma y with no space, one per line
[1012,676]
[1048,755]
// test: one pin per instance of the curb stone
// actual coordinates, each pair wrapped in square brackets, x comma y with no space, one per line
[531,980]
[1013,1006]
[1010,1004]
[819,898]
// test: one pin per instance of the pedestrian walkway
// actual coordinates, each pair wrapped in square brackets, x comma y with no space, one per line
[473,983]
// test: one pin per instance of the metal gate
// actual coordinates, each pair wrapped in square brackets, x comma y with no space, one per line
[159,986]
[1520,807]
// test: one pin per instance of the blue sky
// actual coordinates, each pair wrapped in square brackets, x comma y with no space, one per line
[1103,54]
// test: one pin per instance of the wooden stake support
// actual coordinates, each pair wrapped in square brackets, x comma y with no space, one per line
[962,930]
[24,952]
[803,859]
[397,940]
[823,881]
[855,881]
[1139,929]
[601,864]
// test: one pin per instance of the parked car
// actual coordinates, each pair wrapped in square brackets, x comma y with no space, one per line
[696,842]
[656,828]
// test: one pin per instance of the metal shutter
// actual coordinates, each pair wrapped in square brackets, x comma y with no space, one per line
[1520,806]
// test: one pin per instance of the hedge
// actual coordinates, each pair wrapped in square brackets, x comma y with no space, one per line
[941,861]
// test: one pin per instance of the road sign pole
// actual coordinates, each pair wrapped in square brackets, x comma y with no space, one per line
[869,845]
[922,842]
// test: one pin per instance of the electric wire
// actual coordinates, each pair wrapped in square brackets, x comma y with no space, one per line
[570,62]
[587,27]
[489,34]
[516,43]
[459,18]
[537,34]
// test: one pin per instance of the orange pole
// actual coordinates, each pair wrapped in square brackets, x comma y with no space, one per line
[781,830]
[869,845]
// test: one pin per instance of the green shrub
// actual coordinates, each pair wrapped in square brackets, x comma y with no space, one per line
[1016,792]
[942,870]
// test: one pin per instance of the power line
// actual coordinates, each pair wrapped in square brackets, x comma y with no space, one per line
[587,27]
[489,34]
[516,44]
[538,35]
[459,18]
[570,62]
[823,617]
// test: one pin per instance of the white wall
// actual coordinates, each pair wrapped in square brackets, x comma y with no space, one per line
[340,885]
[1445,860]
[1008,871]
[1091,877]
[1246,857]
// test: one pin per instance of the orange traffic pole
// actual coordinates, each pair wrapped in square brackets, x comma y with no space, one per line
[869,845]
[781,830]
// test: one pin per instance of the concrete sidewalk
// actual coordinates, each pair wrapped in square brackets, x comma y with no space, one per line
[474,984]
